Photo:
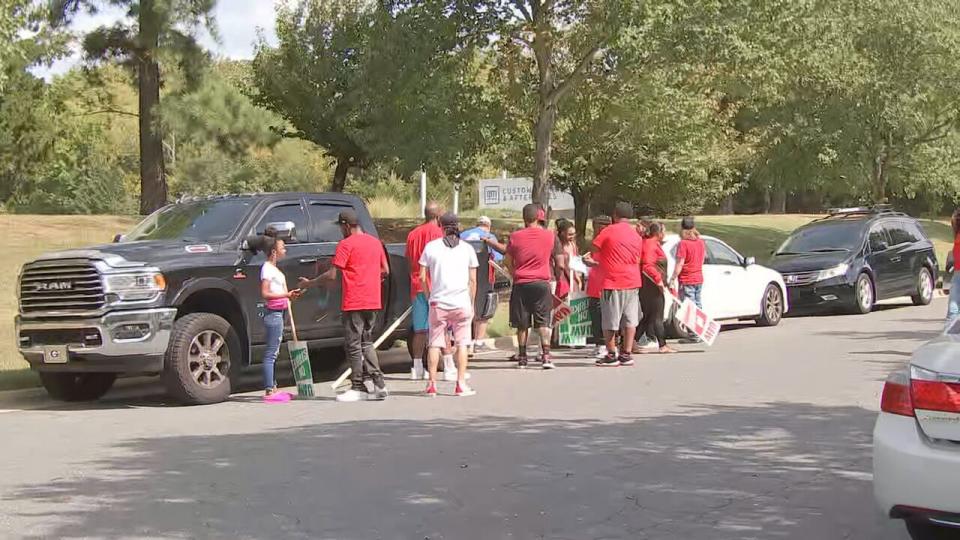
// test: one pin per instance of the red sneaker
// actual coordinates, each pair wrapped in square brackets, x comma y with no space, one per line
[431,390]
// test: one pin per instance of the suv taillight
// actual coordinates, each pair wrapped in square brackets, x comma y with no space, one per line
[896,394]
[930,392]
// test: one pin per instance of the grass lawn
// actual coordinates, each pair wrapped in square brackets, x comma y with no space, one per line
[30,236]
[27,237]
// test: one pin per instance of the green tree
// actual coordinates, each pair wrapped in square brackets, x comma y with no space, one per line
[153,30]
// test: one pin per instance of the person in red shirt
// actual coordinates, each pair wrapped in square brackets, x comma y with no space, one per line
[618,249]
[595,288]
[532,254]
[654,267]
[417,240]
[690,256]
[362,264]
[689,269]
[953,306]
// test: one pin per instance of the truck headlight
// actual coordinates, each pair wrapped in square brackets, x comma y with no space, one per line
[836,271]
[135,287]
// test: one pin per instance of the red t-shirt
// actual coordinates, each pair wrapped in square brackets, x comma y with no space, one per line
[595,282]
[692,252]
[360,258]
[956,251]
[532,250]
[418,239]
[652,254]
[620,251]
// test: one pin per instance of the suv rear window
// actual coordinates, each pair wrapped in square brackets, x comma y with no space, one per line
[825,237]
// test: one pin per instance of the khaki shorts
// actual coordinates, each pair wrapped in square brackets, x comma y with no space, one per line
[620,309]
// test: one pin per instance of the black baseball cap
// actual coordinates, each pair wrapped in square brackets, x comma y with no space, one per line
[687,223]
[449,220]
[348,217]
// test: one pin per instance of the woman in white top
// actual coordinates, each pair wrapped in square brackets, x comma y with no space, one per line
[273,289]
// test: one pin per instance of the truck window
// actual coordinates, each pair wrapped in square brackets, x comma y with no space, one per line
[323,217]
[286,212]
[201,221]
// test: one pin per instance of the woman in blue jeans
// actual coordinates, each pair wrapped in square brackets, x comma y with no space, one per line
[953,308]
[273,289]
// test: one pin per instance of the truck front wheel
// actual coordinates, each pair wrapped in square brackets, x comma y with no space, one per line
[77,386]
[197,366]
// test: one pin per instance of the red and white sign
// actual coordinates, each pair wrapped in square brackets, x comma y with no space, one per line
[698,322]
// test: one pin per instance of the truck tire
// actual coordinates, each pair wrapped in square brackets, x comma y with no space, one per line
[77,386]
[197,366]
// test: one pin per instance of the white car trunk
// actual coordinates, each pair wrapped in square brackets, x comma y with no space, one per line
[935,384]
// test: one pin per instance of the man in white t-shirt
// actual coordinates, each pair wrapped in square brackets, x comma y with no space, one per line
[451,266]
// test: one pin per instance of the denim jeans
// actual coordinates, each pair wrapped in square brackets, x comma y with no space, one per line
[953,306]
[273,321]
[693,293]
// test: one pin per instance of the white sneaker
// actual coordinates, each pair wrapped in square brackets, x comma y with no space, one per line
[417,372]
[464,391]
[601,352]
[643,341]
[379,394]
[351,396]
[451,376]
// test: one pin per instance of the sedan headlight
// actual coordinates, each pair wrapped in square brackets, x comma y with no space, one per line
[836,271]
[137,287]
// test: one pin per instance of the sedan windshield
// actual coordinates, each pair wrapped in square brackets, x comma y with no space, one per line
[824,238]
[201,221]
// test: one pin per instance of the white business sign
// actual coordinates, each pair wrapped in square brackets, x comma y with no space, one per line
[514,193]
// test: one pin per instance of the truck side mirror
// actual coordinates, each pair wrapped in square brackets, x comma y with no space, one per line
[283,230]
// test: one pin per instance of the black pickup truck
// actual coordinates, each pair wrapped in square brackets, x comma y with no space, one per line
[179,296]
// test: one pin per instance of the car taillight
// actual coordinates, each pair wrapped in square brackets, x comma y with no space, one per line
[930,392]
[896,394]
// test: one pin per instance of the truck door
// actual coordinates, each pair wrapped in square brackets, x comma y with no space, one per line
[324,301]
[297,263]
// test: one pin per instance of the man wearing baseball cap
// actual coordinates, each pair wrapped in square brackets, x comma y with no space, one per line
[448,275]
[362,262]
[481,233]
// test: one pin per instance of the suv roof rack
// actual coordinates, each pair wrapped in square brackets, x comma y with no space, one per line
[861,211]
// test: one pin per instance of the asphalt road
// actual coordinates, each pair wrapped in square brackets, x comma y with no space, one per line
[766,435]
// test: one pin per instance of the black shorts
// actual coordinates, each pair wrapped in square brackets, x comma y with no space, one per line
[531,302]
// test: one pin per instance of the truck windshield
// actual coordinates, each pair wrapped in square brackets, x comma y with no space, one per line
[201,221]
[824,238]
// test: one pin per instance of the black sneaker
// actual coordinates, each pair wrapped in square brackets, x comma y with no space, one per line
[610,360]
[522,362]
[625,360]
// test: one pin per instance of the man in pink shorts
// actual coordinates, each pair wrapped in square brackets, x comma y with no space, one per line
[448,273]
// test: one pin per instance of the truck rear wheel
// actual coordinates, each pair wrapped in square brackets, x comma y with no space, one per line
[197,367]
[77,386]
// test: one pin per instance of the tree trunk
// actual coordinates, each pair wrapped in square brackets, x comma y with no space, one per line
[153,181]
[340,175]
[581,211]
[766,204]
[779,202]
[879,179]
[544,138]
[726,205]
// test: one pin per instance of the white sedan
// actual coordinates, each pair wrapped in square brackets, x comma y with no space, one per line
[916,442]
[734,286]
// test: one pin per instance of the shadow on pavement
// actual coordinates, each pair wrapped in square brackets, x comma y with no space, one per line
[779,471]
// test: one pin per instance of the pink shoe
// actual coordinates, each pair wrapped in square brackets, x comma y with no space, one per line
[278,397]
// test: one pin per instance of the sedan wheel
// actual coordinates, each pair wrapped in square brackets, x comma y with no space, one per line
[772,306]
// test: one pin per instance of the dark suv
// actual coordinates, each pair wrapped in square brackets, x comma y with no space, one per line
[855,257]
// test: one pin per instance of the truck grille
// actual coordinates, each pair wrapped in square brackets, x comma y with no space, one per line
[68,285]
[801,278]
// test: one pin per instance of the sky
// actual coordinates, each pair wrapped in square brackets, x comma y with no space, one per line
[237,20]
